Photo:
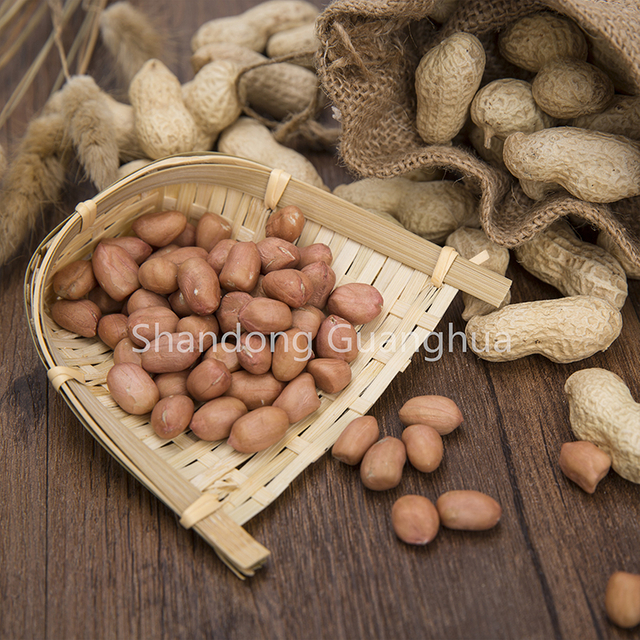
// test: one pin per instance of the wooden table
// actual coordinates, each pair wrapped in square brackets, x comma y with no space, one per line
[87,552]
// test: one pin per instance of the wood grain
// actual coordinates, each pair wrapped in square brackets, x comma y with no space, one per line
[87,552]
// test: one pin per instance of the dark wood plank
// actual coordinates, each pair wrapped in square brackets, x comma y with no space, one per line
[86,551]
[24,397]
[23,468]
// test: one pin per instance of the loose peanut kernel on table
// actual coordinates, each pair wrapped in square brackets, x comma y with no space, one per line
[622,599]
[424,447]
[382,465]
[468,510]
[438,412]
[415,520]
[584,463]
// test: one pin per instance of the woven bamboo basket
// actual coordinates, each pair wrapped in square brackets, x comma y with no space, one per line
[213,488]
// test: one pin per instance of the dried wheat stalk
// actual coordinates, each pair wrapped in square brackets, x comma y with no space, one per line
[19,19]
[77,117]
[32,181]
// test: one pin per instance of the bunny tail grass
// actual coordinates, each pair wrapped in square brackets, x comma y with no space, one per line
[89,127]
[33,181]
[130,38]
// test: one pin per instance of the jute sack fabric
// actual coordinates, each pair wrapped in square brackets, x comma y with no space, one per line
[369,52]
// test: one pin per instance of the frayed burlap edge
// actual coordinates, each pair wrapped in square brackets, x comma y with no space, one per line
[368,54]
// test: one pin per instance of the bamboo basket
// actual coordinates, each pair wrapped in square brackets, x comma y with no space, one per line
[213,488]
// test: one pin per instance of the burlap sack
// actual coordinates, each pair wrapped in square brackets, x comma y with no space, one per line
[370,50]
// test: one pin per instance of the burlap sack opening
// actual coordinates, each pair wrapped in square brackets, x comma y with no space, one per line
[369,52]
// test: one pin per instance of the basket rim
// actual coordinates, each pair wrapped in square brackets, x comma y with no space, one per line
[486,285]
